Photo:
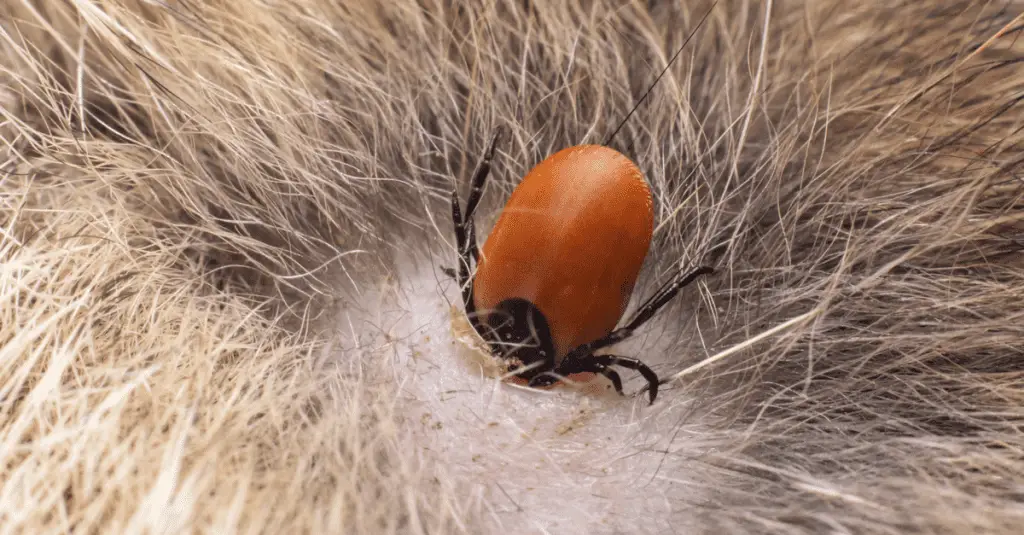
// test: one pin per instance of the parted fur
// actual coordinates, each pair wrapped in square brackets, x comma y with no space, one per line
[220,310]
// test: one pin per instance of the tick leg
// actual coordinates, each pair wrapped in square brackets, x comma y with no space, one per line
[648,386]
[548,378]
[612,376]
[598,363]
[476,191]
[648,309]
[480,177]
[465,232]
[462,245]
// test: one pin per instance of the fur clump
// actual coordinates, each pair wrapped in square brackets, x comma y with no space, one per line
[199,197]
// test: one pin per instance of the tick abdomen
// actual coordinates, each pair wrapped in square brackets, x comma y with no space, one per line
[571,241]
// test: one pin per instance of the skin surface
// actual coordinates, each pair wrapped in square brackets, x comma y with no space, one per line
[571,240]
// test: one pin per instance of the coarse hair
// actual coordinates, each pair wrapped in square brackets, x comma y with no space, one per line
[222,310]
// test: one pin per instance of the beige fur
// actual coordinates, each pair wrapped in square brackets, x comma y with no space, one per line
[221,312]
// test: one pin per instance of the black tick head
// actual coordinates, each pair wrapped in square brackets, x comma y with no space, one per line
[519,332]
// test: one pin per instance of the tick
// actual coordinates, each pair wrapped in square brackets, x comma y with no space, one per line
[558,269]
[556,273]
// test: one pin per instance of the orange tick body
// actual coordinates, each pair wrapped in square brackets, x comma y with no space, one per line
[557,271]
[571,240]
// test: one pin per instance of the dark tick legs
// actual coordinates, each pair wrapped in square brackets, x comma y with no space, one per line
[612,376]
[462,247]
[476,191]
[647,310]
[600,364]
[465,232]
[582,359]
[593,365]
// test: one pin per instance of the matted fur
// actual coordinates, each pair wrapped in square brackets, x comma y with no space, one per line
[221,310]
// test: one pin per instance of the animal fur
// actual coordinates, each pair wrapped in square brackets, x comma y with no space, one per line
[221,309]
